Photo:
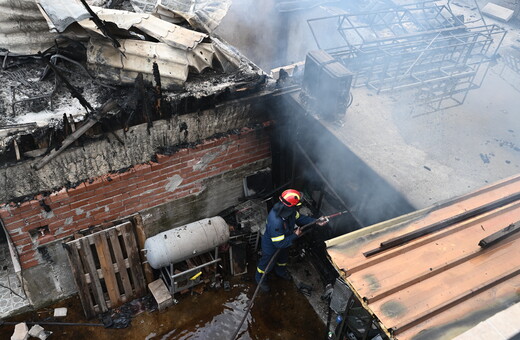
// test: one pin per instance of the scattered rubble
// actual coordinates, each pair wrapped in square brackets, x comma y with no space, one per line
[38,331]
[151,67]
[60,312]
[21,332]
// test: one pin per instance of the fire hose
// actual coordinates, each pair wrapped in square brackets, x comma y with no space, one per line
[304,229]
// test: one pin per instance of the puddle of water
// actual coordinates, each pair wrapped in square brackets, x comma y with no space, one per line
[284,313]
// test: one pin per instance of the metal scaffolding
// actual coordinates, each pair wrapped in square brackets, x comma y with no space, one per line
[424,46]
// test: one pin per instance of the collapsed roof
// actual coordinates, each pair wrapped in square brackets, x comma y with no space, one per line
[62,61]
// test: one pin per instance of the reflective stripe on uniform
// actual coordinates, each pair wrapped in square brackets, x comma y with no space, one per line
[297,215]
[260,270]
[278,238]
[281,264]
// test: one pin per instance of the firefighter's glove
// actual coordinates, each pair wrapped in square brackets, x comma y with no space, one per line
[322,221]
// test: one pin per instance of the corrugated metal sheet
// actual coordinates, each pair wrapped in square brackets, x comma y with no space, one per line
[170,34]
[23,29]
[61,13]
[174,64]
[108,63]
[205,15]
[202,14]
[443,283]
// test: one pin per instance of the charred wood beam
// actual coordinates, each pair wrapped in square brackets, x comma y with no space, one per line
[131,102]
[500,235]
[108,106]
[144,99]
[101,25]
[75,93]
[158,90]
[400,240]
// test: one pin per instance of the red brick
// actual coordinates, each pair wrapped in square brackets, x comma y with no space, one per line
[30,264]
[27,255]
[79,204]
[162,158]
[116,212]
[79,217]
[85,195]
[63,216]
[64,209]
[5,212]
[46,239]
[94,183]
[23,208]
[15,225]
[105,201]
[80,188]
[182,152]
[175,169]
[58,196]
[127,174]
[21,238]
[142,168]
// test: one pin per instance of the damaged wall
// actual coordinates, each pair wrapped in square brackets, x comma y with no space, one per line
[184,169]
[108,155]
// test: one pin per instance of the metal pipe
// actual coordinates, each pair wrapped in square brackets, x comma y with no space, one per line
[194,269]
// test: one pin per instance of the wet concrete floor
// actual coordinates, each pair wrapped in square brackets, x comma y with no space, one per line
[283,313]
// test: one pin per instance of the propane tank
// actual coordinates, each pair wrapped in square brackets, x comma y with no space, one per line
[181,243]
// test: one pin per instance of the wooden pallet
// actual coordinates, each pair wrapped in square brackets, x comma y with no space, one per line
[106,268]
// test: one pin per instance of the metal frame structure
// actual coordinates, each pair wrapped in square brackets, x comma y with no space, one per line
[177,282]
[422,45]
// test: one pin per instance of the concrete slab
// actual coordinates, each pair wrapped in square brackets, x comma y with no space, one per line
[160,293]
[498,12]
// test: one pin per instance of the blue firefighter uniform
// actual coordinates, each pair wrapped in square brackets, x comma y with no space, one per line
[279,233]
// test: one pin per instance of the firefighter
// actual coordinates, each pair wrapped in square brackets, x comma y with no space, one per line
[280,232]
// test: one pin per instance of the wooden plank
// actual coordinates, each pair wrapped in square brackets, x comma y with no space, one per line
[121,267]
[133,257]
[79,278]
[107,267]
[110,105]
[141,238]
[86,255]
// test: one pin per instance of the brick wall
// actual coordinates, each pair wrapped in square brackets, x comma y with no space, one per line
[112,196]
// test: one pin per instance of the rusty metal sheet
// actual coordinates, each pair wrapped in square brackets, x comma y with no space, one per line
[61,13]
[443,283]
[23,29]
[168,33]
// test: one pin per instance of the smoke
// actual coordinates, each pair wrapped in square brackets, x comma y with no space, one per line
[420,157]
[271,33]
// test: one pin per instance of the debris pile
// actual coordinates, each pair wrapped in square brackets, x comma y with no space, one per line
[62,61]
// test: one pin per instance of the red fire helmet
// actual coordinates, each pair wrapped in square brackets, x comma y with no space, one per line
[291,198]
